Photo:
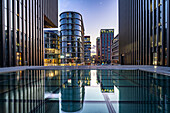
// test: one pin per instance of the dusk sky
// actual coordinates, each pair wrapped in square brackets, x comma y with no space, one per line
[97,14]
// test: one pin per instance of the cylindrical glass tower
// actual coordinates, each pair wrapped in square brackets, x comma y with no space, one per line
[72,35]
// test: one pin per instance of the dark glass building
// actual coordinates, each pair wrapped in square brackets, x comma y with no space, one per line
[72,35]
[144,32]
[87,50]
[98,50]
[52,47]
[115,50]
[21,32]
[106,37]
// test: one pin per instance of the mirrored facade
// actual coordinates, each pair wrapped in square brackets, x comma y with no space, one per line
[143,32]
[72,35]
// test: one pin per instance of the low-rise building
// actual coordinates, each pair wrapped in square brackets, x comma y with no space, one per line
[52,48]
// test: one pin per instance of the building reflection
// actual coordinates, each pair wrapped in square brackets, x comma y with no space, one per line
[86,77]
[22,92]
[72,91]
[144,92]
[105,79]
[52,81]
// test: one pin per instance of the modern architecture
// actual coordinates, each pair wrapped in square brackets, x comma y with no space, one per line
[98,50]
[115,50]
[50,13]
[52,47]
[72,35]
[21,32]
[106,36]
[144,32]
[87,50]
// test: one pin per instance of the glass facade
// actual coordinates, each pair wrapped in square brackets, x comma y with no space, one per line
[72,35]
[115,50]
[87,50]
[52,48]
[145,41]
[22,32]
[98,50]
[106,38]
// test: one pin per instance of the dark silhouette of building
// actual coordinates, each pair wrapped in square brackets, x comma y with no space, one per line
[144,32]
[21,31]
[98,50]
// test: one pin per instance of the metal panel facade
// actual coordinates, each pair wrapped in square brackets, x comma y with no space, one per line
[51,13]
[21,32]
[144,25]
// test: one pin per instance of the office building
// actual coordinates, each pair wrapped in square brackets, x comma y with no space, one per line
[52,47]
[115,50]
[106,36]
[87,50]
[50,13]
[72,35]
[98,50]
[144,32]
[21,32]
[93,59]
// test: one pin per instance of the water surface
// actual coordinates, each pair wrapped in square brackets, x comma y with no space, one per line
[84,91]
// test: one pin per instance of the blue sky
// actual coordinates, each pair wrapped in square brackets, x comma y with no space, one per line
[97,14]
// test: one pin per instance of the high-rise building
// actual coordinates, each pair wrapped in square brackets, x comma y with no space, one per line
[87,50]
[106,37]
[98,50]
[52,47]
[21,32]
[115,50]
[72,35]
[144,32]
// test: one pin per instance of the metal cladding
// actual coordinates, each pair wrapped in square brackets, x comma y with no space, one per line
[72,34]
[21,32]
[143,32]
[50,13]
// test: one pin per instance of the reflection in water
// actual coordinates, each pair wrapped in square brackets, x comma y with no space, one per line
[22,92]
[106,81]
[119,91]
[143,92]
[72,91]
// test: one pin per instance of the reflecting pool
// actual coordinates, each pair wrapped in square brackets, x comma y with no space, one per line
[84,91]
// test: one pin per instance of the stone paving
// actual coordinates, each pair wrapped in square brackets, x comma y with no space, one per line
[155,69]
